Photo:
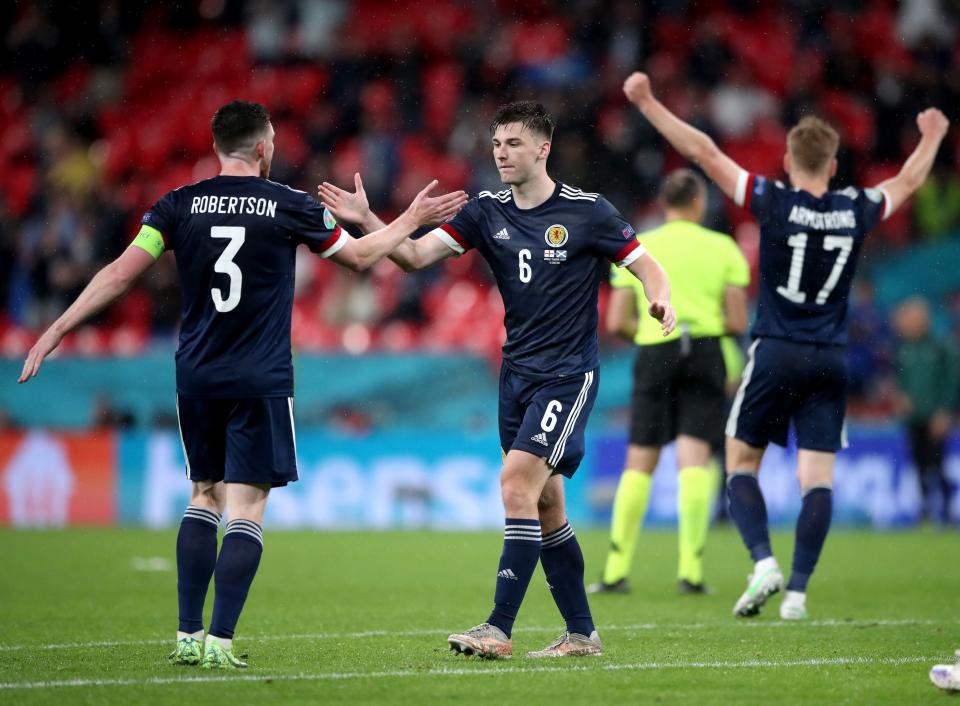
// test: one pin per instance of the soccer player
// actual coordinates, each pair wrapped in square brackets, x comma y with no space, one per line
[810,237]
[545,242]
[679,381]
[234,237]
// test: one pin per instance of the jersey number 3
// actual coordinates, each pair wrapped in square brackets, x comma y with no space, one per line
[798,241]
[225,265]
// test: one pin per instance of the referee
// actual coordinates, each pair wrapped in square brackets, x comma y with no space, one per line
[679,381]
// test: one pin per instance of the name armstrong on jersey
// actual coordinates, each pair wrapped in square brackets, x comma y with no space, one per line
[822,220]
[234,204]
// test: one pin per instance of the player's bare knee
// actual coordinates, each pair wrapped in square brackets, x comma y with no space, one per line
[741,457]
[208,494]
[642,458]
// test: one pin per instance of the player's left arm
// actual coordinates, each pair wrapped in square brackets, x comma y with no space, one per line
[656,287]
[692,143]
[108,285]
[933,125]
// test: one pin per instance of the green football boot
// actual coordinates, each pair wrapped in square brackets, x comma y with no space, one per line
[215,656]
[188,652]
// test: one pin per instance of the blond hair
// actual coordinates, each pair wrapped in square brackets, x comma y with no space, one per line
[812,144]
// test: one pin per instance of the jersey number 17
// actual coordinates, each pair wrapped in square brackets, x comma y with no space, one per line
[842,243]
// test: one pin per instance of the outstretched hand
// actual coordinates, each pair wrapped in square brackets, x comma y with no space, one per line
[637,88]
[664,313]
[345,206]
[432,210]
[44,346]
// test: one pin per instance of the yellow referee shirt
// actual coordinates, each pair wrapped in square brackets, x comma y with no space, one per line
[700,264]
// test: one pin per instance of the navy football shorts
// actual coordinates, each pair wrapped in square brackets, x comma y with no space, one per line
[239,440]
[784,381]
[547,418]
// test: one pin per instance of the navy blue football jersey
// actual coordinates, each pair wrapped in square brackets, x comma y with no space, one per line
[548,262]
[808,255]
[235,239]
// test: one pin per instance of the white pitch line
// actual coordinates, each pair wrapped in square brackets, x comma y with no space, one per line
[535,629]
[462,672]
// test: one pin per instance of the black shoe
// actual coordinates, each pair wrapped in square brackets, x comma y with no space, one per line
[685,588]
[620,586]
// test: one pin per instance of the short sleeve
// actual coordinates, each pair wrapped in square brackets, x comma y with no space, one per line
[738,271]
[315,227]
[462,232]
[613,237]
[162,217]
[757,194]
[873,206]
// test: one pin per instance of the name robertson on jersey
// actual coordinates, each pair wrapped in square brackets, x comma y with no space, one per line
[827,220]
[234,204]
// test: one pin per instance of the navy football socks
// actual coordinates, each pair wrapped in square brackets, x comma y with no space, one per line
[236,567]
[521,551]
[196,558]
[562,562]
[749,512]
[812,527]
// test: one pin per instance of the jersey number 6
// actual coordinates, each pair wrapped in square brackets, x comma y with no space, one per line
[526,272]
[226,265]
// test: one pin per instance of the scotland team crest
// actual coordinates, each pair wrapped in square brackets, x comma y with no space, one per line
[556,235]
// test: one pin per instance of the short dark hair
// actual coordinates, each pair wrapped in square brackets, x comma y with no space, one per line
[530,114]
[681,188]
[238,123]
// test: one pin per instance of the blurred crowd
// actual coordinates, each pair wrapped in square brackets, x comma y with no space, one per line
[107,106]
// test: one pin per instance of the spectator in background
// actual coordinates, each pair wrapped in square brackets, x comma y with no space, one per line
[870,347]
[927,379]
[937,208]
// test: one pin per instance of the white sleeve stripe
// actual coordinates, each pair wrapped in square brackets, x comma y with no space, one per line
[632,256]
[740,195]
[886,204]
[340,242]
[448,240]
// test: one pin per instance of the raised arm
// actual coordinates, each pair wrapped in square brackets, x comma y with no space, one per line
[693,144]
[354,208]
[933,126]
[657,290]
[108,285]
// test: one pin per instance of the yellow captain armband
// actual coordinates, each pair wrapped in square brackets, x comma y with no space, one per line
[151,240]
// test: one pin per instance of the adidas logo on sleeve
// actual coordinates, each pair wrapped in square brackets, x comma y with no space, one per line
[540,438]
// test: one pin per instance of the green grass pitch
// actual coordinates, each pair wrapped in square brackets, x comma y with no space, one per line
[88,616]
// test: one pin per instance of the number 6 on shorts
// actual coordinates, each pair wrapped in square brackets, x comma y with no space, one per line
[549,421]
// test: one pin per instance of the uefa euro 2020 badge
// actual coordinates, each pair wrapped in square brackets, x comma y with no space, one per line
[328,220]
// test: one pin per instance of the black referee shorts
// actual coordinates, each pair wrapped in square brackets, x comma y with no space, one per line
[678,388]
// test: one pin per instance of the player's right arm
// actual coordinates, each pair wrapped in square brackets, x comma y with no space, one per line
[364,252]
[108,285]
[933,126]
[346,207]
[693,144]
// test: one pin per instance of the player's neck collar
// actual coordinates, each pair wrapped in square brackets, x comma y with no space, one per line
[549,200]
